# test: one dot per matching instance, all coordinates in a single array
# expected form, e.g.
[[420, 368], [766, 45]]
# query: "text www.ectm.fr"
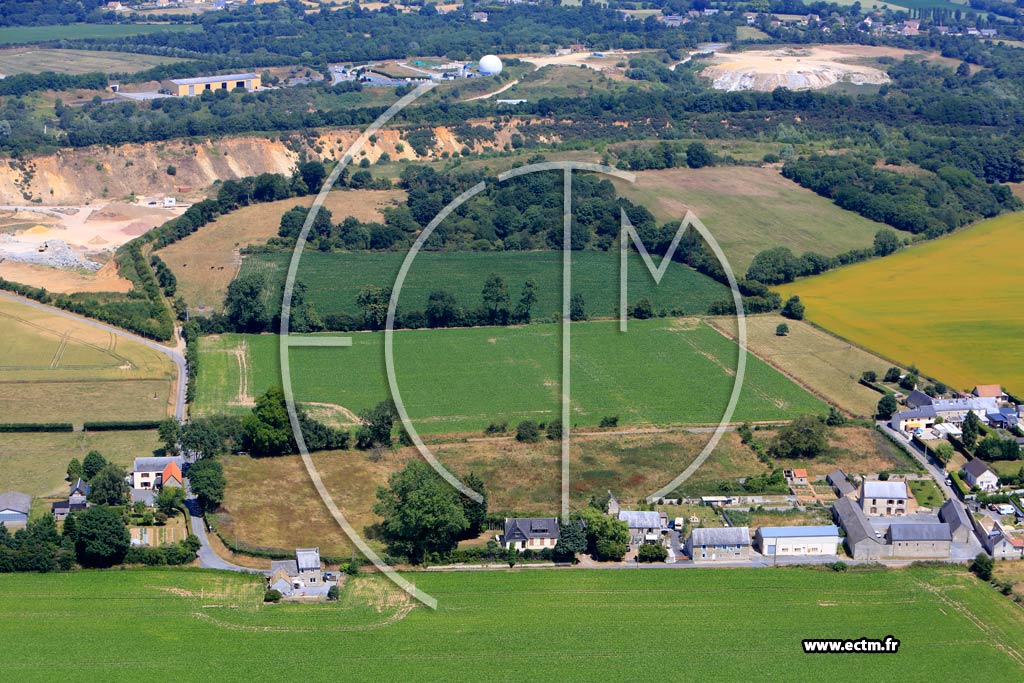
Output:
[[887, 645]]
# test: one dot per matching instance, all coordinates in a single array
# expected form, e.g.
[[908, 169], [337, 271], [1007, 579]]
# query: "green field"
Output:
[[334, 280], [16, 35], [954, 306], [521, 626], [663, 371], [36, 60]]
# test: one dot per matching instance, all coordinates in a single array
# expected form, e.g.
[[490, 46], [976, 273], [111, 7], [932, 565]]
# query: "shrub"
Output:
[[870, 376], [496, 428], [652, 552], [793, 309], [527, 431], [171, 170], [272, 595], [982, 566], [609, 421], [333, 593], [782, 330]]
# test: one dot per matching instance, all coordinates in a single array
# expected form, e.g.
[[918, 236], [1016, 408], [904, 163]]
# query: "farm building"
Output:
[[919, 541], [797, 540], [76, 501], [186, 87], [14, 507], [644, 526], [978, 473], [886, 498], [530, 533], [841, 485], [729, 544], [953, 514], [862, 542], [149, 473]]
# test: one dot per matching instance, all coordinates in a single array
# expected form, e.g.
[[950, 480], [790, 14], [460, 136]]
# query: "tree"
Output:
[[244, 305], [804, 437], [272, 595], [102, 539], [554, 430], [378, 423], [170, 500], [971, 429], [607, 537], [442, 309], [571, 540], [577, 308], [511, 556], [373, 303], [333, 593], [869, 376], [93, 463], [528, 297], [886, 242], [793, 308], [652, 552], [496, 300], [207, 481], [642, 309], [267, 430], [698, 156], [421, 513], [169, 432], [892, 375], [108, 487], [886, 407], [200, 439], [943, 451], [993, 447], [982, 566], [781, 330], [527, 431], [835, 417], [476, 513], [74, 470]]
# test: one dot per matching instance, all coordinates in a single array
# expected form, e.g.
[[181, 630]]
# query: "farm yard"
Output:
[[56, 369], [663, 371], [375, 633], [36, 60], [750, 209], [951, 306], [334, 280]]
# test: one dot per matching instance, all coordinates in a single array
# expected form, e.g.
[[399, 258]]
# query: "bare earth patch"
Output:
[[794, 68]]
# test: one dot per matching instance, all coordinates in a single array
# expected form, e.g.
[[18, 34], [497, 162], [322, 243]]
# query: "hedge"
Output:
[[36, 427], [244, 548], [121, 425]]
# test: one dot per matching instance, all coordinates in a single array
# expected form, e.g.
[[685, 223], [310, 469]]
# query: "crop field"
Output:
[[952, 306], [56, 369], [15, 35], [208, 260], [826, 365], [36, 60], [663, 371], [334, 280], [583, 629], [36, 463], [750, 209]]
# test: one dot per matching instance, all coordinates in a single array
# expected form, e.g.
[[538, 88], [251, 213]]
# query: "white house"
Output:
[[977, 473], [773, 541]]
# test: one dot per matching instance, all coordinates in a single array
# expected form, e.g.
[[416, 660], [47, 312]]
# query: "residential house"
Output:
[[530, 533], [978, 473], [171, 476], [773, 541], [76, 501], [841, 485], [1001, 545], [989, 391], [613, 505], [301, 573], [480, 16], [862, 541], [148, 473], [673, 20], [886, 498], [14, 508], [925, 411], [727, 544], [919, 541], [644, 526], [797, 477], [954, 515]]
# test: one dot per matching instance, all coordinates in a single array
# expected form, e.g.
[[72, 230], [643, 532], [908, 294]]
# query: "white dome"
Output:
[[490, 65]]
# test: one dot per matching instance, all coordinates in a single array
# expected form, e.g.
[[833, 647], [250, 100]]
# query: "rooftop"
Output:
[[307, 559], [786, 531], [976, 468], [156, 464], [885, 489], [734, 535], [525, 528], [920, 532], [15, 500], [213, 79], [640, 519], [854, 522]]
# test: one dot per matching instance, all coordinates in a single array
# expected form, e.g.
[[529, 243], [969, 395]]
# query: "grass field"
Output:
[[15, 35], [36, 60], [750, 209], [36, 463], [680, 371], [581, 626], [334, 280], [56, 369], [952, 306], [926, 493], [826, 365], [207, 261]]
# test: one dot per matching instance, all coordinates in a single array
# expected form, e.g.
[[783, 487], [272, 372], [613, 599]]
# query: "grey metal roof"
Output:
[[953, 514], [886, 489], [916, 399], [854, 522], [289, 567], [147, 496], [15, 500], [640, 519], [525, 528], [922, 412], [213, 79], [733, 535], [801, 531], [838, 479], [920, 532], [976, 468], [80, 487], [307, 559], [157, 464]]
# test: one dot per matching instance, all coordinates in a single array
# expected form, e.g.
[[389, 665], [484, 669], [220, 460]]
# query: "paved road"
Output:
[[175, 354], [936, 473], [208, 559]]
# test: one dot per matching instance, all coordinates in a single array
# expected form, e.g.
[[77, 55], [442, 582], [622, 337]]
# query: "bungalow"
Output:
[[797, 540], [888, 498], [530, 533], [977, 473], [148, 473], [76, 501], [728, 544], [954, 515], [644, 526], [841, 485], [14, 507]]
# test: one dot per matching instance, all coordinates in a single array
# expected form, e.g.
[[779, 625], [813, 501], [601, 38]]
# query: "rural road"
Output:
[[208, 559], [174, 354], [938, 475]]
